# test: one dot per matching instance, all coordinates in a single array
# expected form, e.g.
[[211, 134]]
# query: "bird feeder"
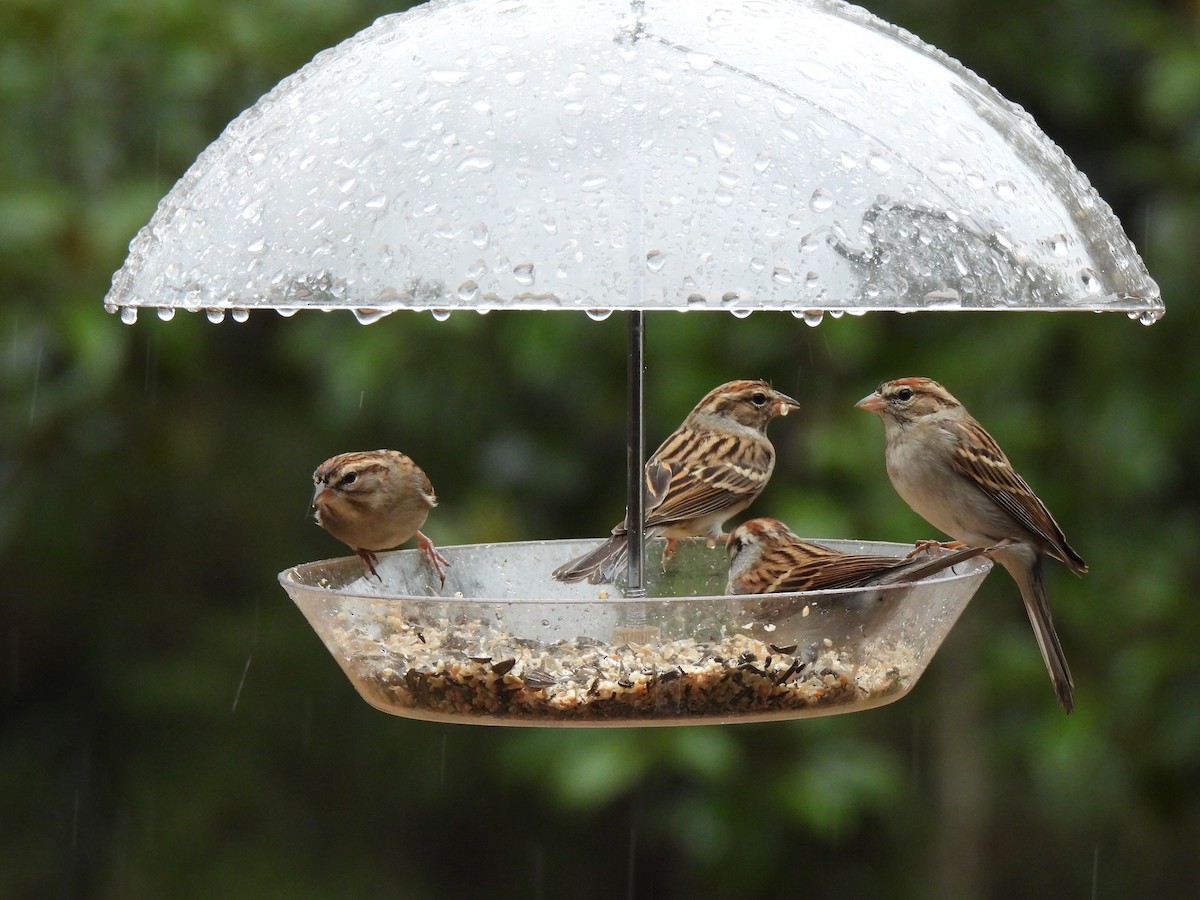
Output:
[[599, 156]]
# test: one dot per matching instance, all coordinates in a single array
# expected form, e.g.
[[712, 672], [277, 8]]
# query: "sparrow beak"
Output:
[[322, 495], [785, 405], [872, 402]]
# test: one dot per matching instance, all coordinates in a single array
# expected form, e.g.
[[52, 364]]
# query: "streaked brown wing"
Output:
[[987, 466], [700, 492]]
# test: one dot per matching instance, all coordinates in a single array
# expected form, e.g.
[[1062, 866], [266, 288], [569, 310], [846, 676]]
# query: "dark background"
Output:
[[171, 727]]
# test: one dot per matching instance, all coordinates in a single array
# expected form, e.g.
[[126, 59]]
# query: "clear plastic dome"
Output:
[[598, 154]]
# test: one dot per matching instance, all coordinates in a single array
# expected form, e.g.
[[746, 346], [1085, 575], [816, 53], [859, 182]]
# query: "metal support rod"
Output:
[[636, 457]]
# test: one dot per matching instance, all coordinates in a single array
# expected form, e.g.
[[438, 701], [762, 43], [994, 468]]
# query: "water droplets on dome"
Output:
[[367, 316], [477, 142], [523, 273]]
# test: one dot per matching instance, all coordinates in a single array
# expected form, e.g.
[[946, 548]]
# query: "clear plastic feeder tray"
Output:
[[477, 650]]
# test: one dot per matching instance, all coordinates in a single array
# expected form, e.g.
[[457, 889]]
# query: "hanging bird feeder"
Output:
[[600, 156]]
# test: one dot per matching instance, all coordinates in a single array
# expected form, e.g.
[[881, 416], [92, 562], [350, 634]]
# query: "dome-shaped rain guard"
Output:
[[478, 650], [598, 154]]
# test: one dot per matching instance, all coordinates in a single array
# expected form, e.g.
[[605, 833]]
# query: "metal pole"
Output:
[[636, 456]]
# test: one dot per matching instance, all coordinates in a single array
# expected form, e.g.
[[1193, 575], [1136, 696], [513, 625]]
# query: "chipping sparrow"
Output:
[[712, 467], [375, 500], [952, 474], [767, 557]]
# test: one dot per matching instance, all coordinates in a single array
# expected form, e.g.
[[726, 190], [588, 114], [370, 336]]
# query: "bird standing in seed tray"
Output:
[[767, 557], [953, 474], [375, 500], [711, 468]]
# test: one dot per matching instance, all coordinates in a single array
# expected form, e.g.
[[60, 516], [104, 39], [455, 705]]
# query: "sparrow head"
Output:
[[906, 400], [750, 403], [352, 480], [755, 533]]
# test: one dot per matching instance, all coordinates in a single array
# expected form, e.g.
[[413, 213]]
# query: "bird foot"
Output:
[[369, 559], [425, 545], [927, 546], [669, 551]]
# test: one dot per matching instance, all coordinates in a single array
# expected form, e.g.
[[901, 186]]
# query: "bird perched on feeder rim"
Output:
[[955, 476], [711, 468], [375, 500]]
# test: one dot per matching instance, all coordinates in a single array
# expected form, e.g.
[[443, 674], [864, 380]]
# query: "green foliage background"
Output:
[[170, 727]]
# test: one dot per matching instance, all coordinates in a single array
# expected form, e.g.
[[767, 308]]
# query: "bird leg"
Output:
[[369, 559], [995, 548], [425, 545], [669, 551], [926, 546]]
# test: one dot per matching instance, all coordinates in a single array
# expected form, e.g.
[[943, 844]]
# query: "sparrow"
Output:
[[767, 557], [375, 500], [953, 474], [711, 468]]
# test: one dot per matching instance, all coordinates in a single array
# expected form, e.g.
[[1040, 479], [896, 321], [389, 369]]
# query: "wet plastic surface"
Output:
[[503, 644]]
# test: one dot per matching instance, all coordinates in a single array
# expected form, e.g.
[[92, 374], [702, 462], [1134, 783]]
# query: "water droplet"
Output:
[[129, 314], [757, 264], [946, 298], [729, 298], [695, 301], [369, 316], [655, 260], [1058, 244], [812, 317], [593, 182], [287, 312], [479, 235], [379, 201], [468, 291], [440, 315], [785, 109], [877, 163], [812, 280], [447, 76], [256, 246], [240, 314], [1091, 281], [252, 211], [700, 61], [599, 315], [723, 196], [762, 162], [1150, 316], [515, 77], [723, 145], [782, 275], [821, 200], [740, 313], [346, 185], [476, 163], [216, 316], [166, 313], [1005, 190], [482, 107], [523, 272]]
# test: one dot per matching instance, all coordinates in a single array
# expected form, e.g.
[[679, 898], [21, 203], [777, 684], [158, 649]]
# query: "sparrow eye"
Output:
[[759, 399], [348, 479], [904, 394]]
